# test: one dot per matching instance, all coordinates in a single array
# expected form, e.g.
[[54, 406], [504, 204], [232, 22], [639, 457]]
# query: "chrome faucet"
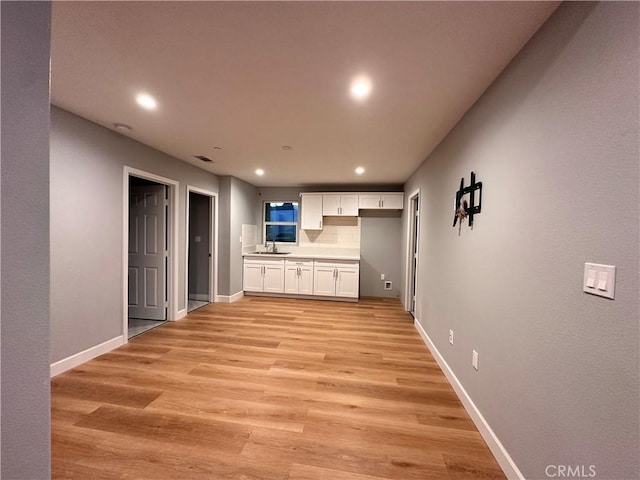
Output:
[[274, 249]]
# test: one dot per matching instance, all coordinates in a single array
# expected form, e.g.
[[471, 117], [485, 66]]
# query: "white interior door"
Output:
[[147, 252]]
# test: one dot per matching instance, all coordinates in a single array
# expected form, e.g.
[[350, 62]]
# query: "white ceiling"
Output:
[[251, 77]]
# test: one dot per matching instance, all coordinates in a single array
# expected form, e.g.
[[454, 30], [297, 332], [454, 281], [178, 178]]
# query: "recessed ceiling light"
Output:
[[360, 87], [122, 127], [146, 101], [260, 172], [360, 170]]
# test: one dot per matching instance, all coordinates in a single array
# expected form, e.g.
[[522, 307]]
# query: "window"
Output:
[[281, 222]]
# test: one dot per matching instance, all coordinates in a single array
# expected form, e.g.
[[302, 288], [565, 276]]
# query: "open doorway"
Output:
[[149, 251], [201, 248], [413, 240]]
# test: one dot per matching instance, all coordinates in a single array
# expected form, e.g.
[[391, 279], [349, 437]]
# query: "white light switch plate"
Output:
[[599, 280]]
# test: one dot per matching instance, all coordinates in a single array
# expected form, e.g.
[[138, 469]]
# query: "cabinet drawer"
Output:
[[263, 261], [298, 262], [337, 263]]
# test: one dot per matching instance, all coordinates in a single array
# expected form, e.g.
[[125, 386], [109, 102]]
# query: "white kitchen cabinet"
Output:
[[381, 201], [252, 278], [334, 204], [324, 281], [298, 277], [347, 282], [311, 211], [263, 275], [336, 278]]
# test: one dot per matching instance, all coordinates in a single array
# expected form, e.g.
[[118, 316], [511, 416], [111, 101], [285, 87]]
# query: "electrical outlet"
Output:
[[474, 360], [382, 276], [451, 337], [387, 285]]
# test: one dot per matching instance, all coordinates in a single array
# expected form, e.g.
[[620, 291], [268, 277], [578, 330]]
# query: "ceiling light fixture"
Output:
[[260, 172], [360, 170], [360, 87], [146, 101], [122, 127]]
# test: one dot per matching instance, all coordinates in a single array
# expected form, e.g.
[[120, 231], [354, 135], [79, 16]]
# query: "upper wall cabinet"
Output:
[[381, 201], [340, 205], [311, 211]]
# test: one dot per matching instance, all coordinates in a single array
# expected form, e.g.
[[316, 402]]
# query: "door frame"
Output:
[[411, 235], [213, 244], [172, 229]]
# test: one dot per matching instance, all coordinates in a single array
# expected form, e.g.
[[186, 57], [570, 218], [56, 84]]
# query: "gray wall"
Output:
[[243, 201], [380, 253], [380, 239], [224, 235], [87, 165], [555, 142], [199, 226], [24, 173], [237, 206]]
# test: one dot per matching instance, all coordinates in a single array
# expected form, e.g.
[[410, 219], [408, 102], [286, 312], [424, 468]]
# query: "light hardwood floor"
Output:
[[268, 389]]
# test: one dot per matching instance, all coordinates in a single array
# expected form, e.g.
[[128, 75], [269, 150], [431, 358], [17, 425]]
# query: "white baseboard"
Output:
[[181, 314], [79, 358], [200, 297], [230, 298], [505, 461]]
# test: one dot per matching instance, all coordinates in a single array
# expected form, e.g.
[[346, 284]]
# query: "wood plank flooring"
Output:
[[268, 389]]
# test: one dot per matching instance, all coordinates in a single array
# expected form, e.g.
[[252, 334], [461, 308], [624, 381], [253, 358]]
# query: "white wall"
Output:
[[555, 141], [24, 173], [87, 165]]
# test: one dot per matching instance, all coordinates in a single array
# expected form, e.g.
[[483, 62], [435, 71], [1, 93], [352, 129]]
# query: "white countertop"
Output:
[[311, 253]]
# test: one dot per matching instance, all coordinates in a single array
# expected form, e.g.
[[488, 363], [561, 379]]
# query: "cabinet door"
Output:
[[369, 201], [311, 212], [252, 277], [324, 281], [274, 278], [291, 279], [349, 205], [392, 201], [348, 282], [331, 205], [305, 281]]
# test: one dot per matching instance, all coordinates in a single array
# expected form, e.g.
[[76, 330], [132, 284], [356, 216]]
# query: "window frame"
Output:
[[266, 223]]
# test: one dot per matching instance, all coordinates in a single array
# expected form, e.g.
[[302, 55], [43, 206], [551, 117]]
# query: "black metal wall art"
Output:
[[468, 202]]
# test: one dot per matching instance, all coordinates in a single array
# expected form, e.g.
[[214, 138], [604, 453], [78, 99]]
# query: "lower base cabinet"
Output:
[[298, 277], [323, 278], [263, 276], [336, 279]]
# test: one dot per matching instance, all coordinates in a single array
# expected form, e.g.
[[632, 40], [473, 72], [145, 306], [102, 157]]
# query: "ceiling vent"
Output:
[[203, 158]]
